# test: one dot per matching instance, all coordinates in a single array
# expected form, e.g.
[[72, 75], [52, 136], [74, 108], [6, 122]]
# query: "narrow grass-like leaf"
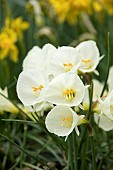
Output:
[[26, 152], [108, 64], [32, 166], [45, 145]]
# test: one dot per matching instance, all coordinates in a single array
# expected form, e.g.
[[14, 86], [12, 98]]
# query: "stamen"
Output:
[[86, 61], [35, 89], [69, 94], [67, 121], [111, 106], [68, 66]]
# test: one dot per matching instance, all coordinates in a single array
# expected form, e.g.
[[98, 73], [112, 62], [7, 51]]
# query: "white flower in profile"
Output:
[[64, 60], [90, 56], [6, 104], [106, 105], [97, 89], [38, 58], [32, 59], [110, 79], [98, 86], [103, 122], [61, 120], [85, 102], [31, 86], [65, 89]]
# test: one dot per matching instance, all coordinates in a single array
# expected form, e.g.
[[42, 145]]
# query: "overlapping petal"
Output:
[[65, 89], [103, 122], [90, 56], [31, 87], [106, 105], [38, 58], [61, 120], [64, 60]]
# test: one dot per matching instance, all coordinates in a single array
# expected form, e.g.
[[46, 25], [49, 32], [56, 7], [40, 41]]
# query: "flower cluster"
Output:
[[70, 10], [104, 118], [55, 75], [9, 35], [102, 105]]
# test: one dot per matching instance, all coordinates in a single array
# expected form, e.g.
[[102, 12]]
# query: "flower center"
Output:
[[68, 66], [69, 94], [37, 90], [86, 61], [67, 121]]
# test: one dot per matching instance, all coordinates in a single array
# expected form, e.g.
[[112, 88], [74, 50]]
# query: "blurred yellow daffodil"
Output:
[[18, 25], [7, 45], [70, 10], [9, 35]]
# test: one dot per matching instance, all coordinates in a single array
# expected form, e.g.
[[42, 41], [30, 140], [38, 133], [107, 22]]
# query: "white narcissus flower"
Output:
[[103, 122], [32, 60], [97, 89], [110, 79], [31, 86], [5, 104], [85, 102], [64, 60], [106, 105], [38, 58], [61, 120], [90, 56], [65, 89]]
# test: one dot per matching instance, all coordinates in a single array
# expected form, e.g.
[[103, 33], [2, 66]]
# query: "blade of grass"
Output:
[[108, 64], [23, 145], [32, 166], [15, 120], [45, 145], [26, 152]]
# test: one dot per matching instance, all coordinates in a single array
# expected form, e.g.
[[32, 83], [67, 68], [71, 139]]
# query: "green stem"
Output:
[[90, 98], [108, 64], [75, 146], [70, 153], [4, 162], [93, 153], [83, 160], [22, 47], [24, 142]]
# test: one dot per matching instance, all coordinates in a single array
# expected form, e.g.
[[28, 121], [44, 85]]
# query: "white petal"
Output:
[[103, 122], [55, 90], [26, 81], [33, 59], [38, 58], [77, 131], [88, 51], [110, 78], [64, 56], [54, 120], [5, 104]]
